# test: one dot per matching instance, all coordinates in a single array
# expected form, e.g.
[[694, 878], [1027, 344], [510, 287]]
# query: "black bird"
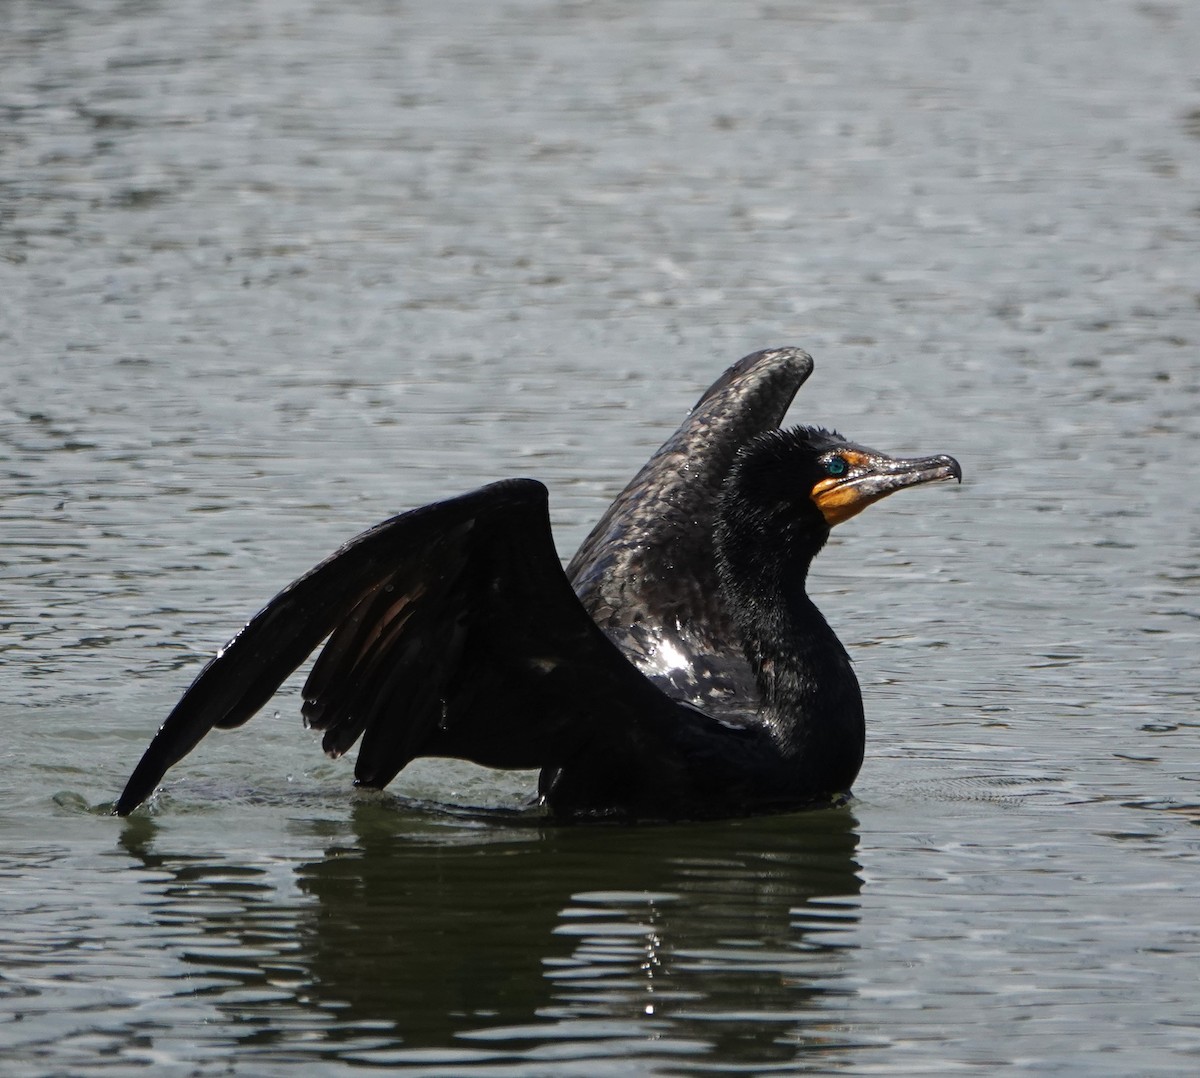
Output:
[[677, 669]]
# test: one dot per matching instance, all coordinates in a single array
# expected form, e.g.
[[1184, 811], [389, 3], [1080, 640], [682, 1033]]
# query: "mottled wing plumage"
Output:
[[647, 573]]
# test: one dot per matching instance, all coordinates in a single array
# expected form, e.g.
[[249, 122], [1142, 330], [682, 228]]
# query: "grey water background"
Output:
[[270, 272]]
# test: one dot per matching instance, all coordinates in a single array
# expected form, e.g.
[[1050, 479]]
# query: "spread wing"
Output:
[[647, 573], [453, 631]]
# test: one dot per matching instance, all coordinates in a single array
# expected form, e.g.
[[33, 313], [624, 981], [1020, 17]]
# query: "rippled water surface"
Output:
[[271, 272]]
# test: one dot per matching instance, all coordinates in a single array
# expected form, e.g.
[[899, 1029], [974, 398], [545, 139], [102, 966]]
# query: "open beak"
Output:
[[873, 476]]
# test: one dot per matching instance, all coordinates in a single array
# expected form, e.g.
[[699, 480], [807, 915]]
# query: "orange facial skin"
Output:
[[869, 476]]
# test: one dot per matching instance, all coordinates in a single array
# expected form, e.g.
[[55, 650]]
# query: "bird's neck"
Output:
[[810, 696]]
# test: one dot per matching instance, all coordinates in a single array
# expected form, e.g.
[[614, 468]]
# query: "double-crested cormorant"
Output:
[[676, 669]]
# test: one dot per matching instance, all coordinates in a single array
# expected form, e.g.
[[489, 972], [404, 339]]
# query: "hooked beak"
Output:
[[873, 476]]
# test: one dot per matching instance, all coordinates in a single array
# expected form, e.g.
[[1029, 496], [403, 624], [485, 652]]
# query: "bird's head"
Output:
[[788, 488]]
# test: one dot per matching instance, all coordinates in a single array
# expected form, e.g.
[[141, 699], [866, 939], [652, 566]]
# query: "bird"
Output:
[[676, 669]]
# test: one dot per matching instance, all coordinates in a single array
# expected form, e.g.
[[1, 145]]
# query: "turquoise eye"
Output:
[[836, 466]]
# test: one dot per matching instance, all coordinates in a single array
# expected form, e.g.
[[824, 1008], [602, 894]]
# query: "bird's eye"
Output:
[[836, 466]]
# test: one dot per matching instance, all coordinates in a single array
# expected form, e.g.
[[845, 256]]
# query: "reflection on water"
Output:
[[443, 940]]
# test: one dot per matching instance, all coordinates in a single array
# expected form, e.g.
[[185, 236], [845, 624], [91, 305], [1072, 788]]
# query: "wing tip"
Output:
[[133, 795], [788, 365]]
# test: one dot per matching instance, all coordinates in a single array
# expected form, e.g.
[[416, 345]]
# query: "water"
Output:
[[271, 272]]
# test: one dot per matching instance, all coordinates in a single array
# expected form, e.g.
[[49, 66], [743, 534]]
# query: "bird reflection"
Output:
[[416, 934]]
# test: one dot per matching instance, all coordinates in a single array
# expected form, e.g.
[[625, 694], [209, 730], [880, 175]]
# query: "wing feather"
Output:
[[452, 630]]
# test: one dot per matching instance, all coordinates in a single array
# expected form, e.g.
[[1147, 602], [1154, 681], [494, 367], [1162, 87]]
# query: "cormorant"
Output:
[[676, 669]]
